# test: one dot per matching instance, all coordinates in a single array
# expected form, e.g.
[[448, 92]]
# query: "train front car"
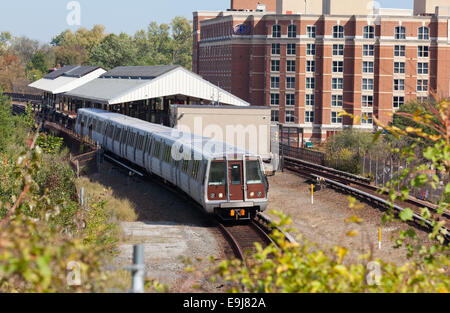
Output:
[[236, 189]]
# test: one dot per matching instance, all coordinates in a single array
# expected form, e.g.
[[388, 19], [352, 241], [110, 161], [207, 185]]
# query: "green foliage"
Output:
[[345, 150], [49, 144], [114, 51], [305, 268], [42, 226], [6, 122]]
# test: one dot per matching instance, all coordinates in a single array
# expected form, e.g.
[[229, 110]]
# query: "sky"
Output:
[[44, 19]]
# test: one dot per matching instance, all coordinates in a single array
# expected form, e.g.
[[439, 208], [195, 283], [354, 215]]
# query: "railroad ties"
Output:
[[361, 188]]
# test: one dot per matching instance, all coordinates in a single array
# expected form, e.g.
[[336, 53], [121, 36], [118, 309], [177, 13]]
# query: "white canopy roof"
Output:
[[63, 83], [130, 84]]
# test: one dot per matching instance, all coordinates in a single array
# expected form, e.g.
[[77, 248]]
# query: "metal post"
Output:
[[137, 269], [82, 197], [376, 172]]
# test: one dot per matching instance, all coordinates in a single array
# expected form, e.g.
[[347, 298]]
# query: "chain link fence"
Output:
[[382, 170]]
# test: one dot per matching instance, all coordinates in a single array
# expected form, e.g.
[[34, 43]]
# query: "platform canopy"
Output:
[[67, 78], [136, 83]]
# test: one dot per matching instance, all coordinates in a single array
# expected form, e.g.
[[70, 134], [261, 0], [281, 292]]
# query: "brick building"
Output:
[[309, 59]]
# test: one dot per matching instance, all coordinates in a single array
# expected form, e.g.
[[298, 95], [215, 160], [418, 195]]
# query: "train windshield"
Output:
[[254, 175], [217, 174]]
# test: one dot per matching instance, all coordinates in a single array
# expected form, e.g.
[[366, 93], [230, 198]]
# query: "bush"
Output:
[[344, 151]]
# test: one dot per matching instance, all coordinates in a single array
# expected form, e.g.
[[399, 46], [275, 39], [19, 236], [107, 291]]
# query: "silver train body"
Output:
[[223, 179]]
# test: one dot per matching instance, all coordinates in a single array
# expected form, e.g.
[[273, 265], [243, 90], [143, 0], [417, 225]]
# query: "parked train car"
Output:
[[224, 180]]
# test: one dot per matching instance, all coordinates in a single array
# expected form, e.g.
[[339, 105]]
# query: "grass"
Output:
[[122, 209]]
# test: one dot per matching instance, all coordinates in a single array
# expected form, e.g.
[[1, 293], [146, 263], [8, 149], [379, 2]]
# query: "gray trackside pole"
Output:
[[137, 270]]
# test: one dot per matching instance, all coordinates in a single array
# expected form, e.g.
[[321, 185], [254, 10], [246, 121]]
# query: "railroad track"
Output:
[[240, 237], [361, 188]]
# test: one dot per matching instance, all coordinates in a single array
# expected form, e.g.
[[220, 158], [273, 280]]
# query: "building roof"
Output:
[[67, 78], [128, 84], [139, 72]]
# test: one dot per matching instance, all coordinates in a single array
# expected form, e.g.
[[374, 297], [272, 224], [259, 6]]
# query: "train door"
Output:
[[236, 180]]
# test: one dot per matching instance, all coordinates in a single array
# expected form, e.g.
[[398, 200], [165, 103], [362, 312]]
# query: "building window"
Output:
[[423, 33], [274, 99], [423, 51], [337, 83], [276, 31], [310, 49], [369, 32], [290, 99], [310, 66], [275, 116], [290, 116], [290, 66], [336, 101], [310, 83], [275, 67], [422, 85], [338, 67], [367, 67], [276, 49], [309, 116], [290, 82], [367, 84], [338, 31], [399, 84], [400, 32], [338, 49], [367, 101], [292, 31], [311, 31], [310, 100], [291, 49], [274, 82], [398, 101], [399, 67], [368, 50], [422, 68], [367, 118], [399, 51], [335, 118]]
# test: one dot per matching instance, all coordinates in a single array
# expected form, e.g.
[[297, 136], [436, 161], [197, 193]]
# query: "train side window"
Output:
[[185, 166], [110, 131], [167, 154], [118, 133], [94, 124], [149, 147], [124, 136], [99, 127], [146, 143], [139, 142], [157, 150], [195, 169], [131, 139]]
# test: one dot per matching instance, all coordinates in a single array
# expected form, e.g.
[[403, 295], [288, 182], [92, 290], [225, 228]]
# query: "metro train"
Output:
[[224, 180]]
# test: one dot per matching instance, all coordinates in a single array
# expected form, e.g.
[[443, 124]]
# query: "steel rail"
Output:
[[418, 219], [361, 181]]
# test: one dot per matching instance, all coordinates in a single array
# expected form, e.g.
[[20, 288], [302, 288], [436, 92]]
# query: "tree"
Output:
[[182, 33], [76, 48], [114, 51]]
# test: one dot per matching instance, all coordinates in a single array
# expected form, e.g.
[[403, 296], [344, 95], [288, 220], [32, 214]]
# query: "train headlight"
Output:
[[260, 194], [252, 194], [213, 196], [220, 195]]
